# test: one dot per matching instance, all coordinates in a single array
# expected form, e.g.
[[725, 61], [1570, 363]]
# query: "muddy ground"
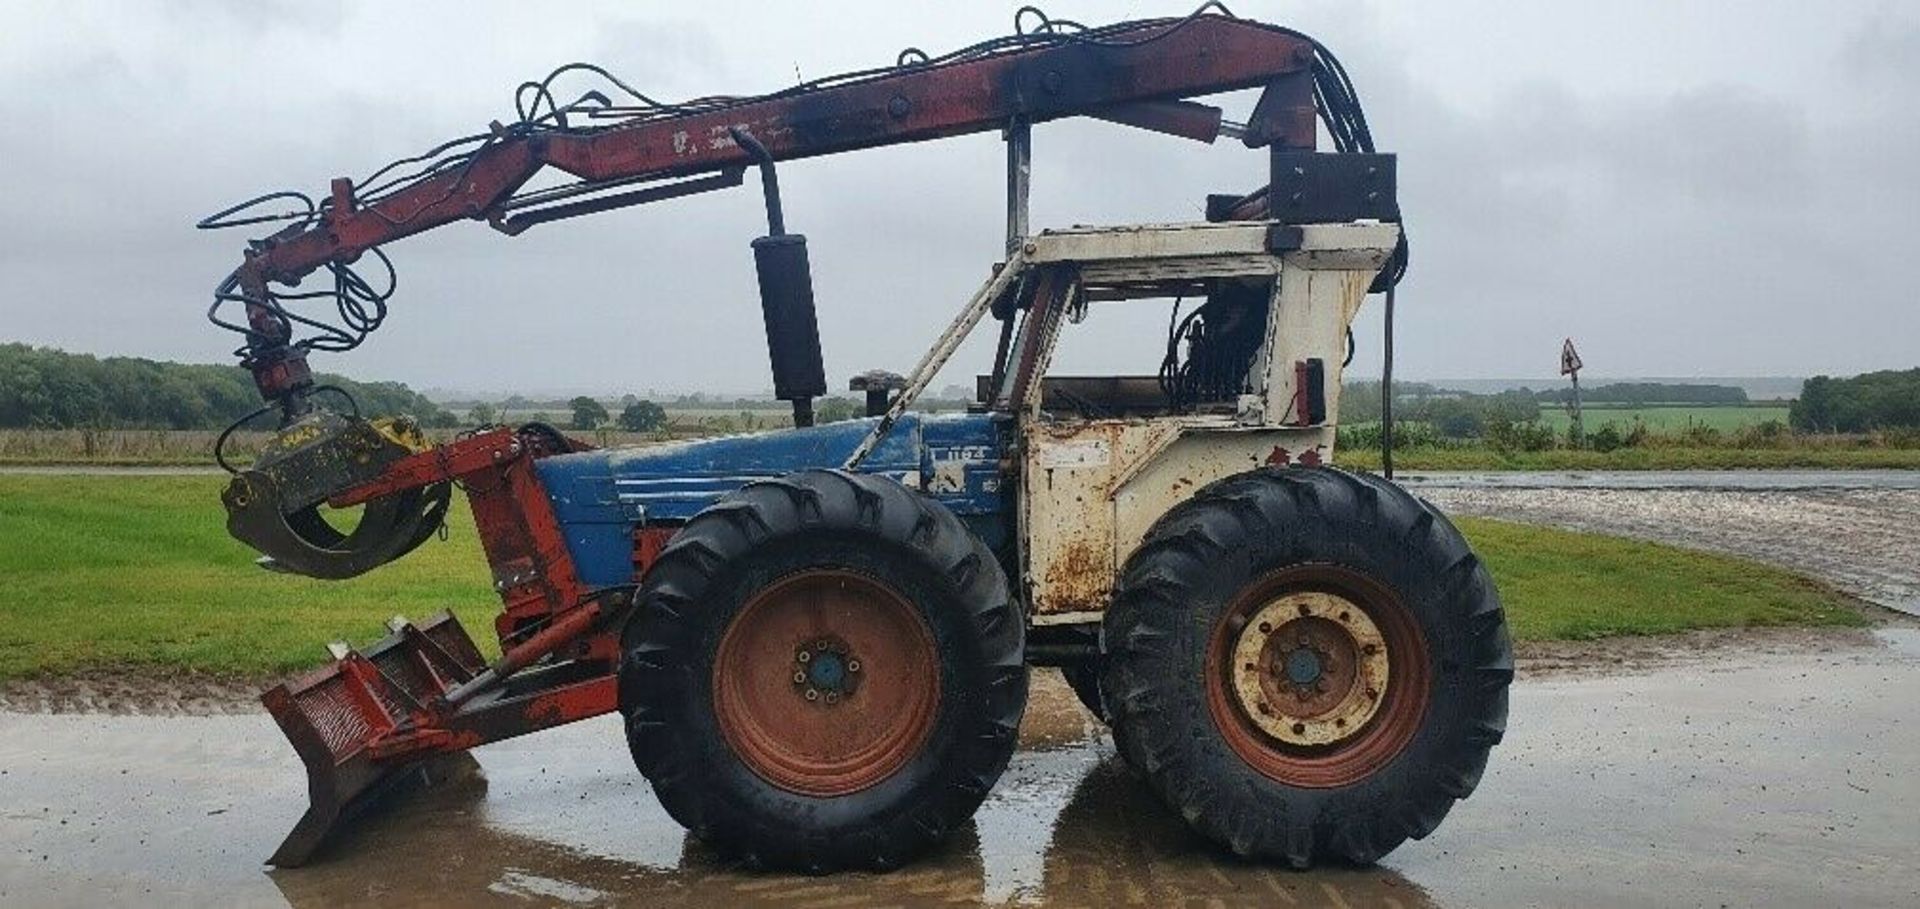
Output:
[[143, 691], [1754, 778]]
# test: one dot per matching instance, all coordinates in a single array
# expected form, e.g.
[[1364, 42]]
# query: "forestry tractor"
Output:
[[819, 638]]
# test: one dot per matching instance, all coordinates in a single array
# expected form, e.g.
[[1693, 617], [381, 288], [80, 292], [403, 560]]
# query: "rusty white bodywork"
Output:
[[1090, 488]]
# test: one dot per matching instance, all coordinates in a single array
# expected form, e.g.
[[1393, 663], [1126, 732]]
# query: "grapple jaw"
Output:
[[356, 724], [275, 504]]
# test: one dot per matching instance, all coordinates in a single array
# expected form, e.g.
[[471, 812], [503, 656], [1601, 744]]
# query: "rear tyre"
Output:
[[827, 673], [1307, 665]]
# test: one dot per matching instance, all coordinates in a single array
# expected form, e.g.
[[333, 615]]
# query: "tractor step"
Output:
[[364, 725]]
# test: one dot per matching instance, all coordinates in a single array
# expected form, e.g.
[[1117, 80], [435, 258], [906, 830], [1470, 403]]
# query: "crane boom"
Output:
[[1139, 73]]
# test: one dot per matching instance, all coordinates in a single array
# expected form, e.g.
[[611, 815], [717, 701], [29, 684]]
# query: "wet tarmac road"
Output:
[[1755, 779]]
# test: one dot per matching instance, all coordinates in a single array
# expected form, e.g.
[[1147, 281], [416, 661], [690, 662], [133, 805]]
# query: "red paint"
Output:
[[532, 569], [545, 610], [647, 543], [1211, 54]]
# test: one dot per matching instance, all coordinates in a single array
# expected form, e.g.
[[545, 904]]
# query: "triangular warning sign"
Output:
[[1569, 358]]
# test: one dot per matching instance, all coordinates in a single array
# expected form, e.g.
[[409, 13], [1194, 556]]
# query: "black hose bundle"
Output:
[[359, 306]]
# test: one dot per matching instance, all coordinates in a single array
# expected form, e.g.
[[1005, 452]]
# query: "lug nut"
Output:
[[799, 678], [803, 656], [813, 694], [853, 665]]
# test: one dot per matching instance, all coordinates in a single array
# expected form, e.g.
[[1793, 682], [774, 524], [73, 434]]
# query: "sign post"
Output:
[[1570, 366]]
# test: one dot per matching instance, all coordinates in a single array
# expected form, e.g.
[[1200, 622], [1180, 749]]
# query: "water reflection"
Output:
[[1067, 827]]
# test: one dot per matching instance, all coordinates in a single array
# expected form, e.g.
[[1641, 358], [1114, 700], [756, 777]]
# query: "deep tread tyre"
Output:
[[721, 577], [1292, 533]]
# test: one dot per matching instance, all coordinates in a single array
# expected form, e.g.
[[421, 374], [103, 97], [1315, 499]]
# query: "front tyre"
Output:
[[827, 673], [1308, 665]]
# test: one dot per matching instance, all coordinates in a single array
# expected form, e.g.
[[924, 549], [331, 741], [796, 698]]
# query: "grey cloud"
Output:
[[1707, 215]]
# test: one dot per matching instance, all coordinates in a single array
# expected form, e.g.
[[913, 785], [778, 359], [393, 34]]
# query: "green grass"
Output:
[[1561, 585], [1480, 457], [114, 571], [1725, 418], [140, 570]]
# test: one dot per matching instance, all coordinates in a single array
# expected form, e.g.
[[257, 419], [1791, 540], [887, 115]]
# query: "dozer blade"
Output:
[[331, 810], [275, 505], [361, 725]]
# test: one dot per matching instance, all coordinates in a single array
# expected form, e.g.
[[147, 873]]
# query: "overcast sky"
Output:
[[1684, 188]]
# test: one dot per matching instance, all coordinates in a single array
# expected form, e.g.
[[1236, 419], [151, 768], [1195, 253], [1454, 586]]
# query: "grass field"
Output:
[[111, 571], [1480, 457], [1666, 419]]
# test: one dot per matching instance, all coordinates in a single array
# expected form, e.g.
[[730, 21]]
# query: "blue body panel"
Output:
[[601, 496]]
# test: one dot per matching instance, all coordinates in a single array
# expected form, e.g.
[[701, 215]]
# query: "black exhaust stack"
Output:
[[786, 299]]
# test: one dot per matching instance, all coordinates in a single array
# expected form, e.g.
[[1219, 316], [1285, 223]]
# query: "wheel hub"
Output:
[[1303, 666], [1309, 668], [826, 682], [825, 671]]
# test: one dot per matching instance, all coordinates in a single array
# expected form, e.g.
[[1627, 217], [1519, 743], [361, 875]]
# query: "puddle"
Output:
[[1780, 779]]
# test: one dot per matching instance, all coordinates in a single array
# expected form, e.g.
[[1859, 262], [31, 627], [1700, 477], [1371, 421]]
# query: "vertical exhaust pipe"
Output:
[[786, 298]]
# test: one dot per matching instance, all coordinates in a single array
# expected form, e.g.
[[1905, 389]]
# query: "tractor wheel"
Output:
[[1308, 665], [827, 673]]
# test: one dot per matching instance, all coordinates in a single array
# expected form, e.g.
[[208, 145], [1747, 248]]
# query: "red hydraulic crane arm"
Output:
[[1129, 77]]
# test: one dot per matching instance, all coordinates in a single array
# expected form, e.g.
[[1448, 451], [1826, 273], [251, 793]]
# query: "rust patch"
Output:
[[1079, 579]]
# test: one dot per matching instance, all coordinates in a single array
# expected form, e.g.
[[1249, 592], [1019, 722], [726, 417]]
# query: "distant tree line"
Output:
[[1649, 393], [1889, 399], [44, 388], [1453, 414]]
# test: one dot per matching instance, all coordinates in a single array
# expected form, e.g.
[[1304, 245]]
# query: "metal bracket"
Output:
[[1331, 187]]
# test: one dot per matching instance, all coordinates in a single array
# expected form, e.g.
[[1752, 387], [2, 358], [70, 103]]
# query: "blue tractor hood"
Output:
[[601, 496]]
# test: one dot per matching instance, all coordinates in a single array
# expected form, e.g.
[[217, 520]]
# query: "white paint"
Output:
[[1076, 453]]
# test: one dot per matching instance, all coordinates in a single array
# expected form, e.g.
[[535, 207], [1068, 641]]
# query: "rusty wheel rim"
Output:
[[826, 683], [1317, 676]]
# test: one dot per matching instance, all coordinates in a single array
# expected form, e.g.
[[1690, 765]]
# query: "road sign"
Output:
[[1570, 366], [1569, 359]]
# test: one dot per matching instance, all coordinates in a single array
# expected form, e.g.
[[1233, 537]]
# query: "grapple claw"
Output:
[[275, 505]]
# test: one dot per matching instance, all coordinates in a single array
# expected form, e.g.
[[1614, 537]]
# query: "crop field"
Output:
[[1725, 418], [108, 571]]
